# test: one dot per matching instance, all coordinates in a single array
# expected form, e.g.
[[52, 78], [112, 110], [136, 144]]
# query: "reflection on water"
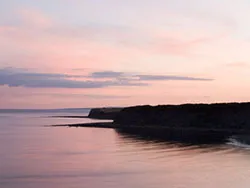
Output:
[[32, 155], [180, 137], [184, 142]]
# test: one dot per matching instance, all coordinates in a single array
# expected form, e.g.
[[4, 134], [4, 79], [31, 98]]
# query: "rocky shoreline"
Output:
[[227, 117], [154, 127]]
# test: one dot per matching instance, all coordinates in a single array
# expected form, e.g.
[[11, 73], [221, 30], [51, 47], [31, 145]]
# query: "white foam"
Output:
[[237, 143]]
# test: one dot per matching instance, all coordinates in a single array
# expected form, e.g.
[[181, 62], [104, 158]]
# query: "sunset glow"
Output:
[[95, 53]]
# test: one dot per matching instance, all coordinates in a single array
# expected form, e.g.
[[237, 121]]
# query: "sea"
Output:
[[34, 154]]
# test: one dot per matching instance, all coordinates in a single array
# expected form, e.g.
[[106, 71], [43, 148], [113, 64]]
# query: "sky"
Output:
[[95, 53]]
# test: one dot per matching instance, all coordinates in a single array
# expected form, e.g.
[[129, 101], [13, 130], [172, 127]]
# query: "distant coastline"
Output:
[[62, 110]]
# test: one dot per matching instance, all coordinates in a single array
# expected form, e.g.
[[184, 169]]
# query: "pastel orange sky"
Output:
[[96, 53]]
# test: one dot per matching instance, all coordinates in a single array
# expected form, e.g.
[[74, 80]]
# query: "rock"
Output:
[[104, 113]]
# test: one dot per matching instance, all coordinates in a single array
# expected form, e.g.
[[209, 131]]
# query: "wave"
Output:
[[238, 142]]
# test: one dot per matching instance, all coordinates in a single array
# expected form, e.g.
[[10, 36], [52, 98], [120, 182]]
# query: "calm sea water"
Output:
[[33, 155]]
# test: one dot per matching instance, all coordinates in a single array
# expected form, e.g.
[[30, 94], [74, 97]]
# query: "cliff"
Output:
[[104, 113], [214, 116]]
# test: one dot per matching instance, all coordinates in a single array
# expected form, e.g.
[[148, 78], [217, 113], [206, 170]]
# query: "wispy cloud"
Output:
[[20, 78], [170, 77], [144, 77], [107, 74], [15, 78]]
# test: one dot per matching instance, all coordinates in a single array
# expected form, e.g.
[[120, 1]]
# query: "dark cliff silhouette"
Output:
[[214, 116]]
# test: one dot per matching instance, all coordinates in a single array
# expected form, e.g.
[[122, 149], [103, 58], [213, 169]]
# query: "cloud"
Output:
[[22, 78], [143, 77], [169, 77], [107, 74], [16, 78]]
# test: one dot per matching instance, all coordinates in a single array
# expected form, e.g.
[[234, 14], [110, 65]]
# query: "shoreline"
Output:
[[94, 125], [218, 117], [117, 126]]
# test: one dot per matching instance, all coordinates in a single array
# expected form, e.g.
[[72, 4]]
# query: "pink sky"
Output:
[[83, 54]]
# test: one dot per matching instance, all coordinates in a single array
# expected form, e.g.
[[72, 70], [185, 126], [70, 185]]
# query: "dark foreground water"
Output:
[[35, 156]]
